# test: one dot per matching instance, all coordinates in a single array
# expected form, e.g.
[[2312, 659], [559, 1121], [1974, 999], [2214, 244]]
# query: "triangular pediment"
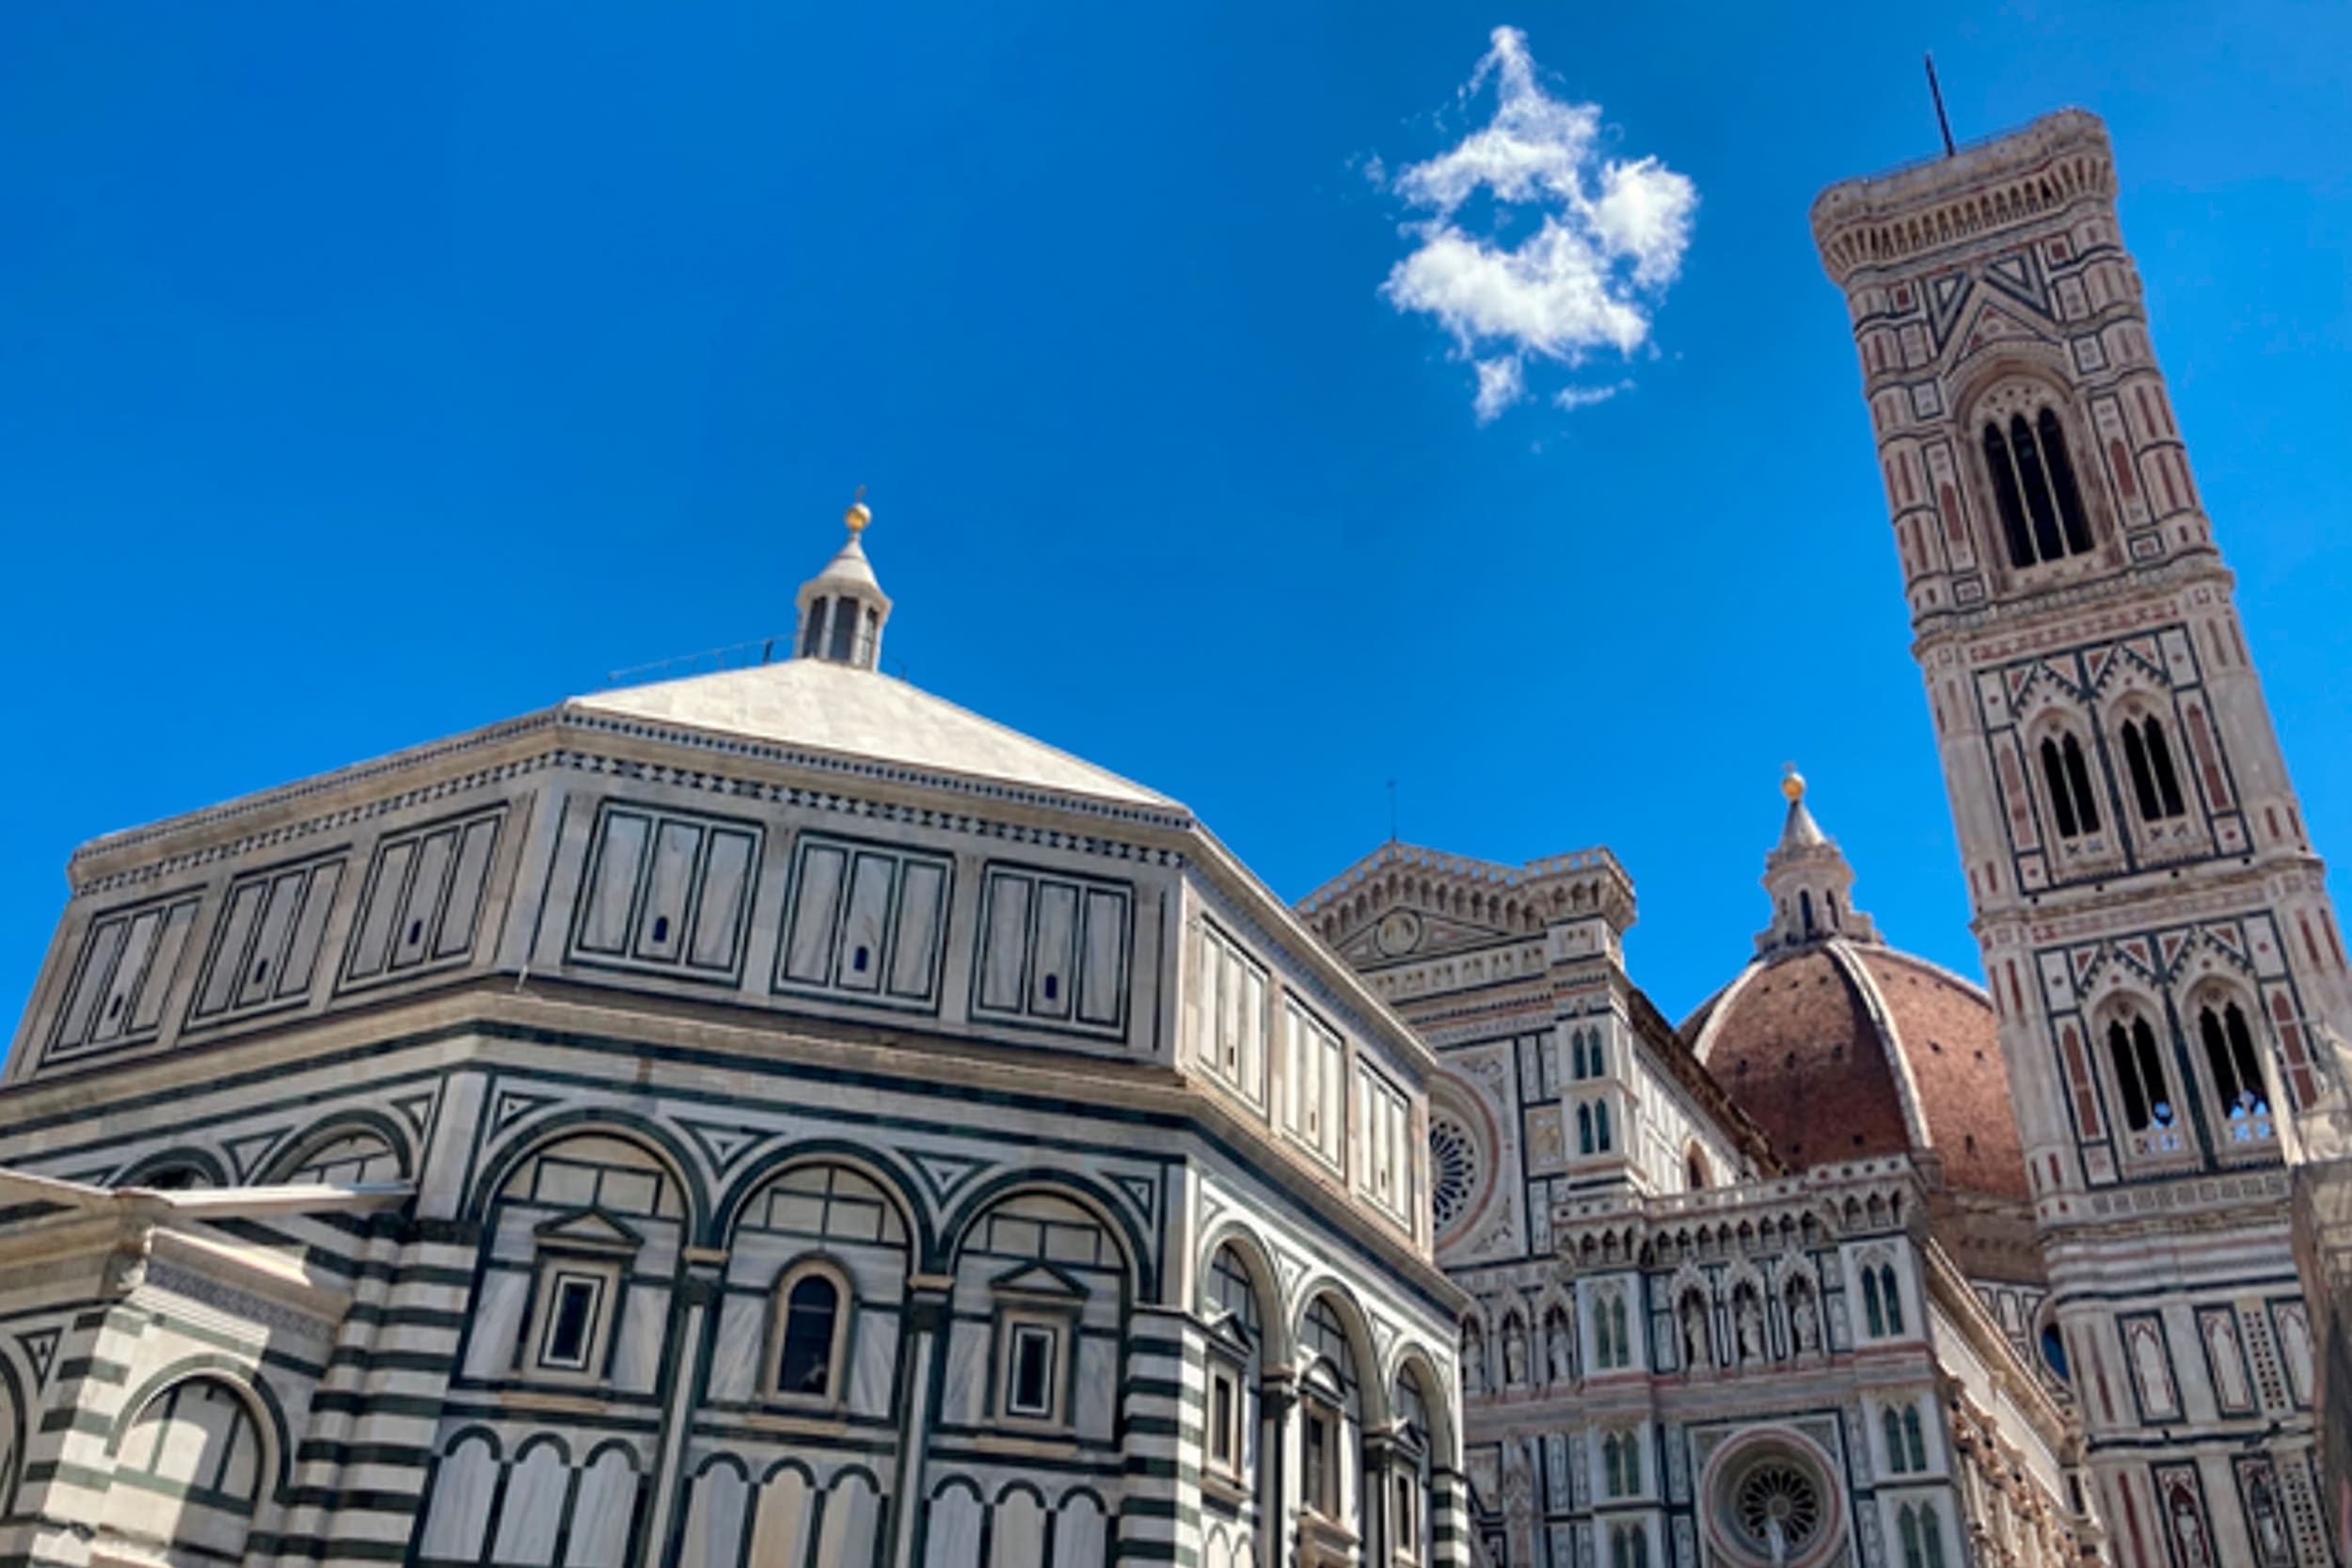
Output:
[[1039, 1280], [591, 1230]]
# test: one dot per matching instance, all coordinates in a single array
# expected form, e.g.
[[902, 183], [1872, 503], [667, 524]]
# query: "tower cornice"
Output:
[[2051, 612], [1952, 203]]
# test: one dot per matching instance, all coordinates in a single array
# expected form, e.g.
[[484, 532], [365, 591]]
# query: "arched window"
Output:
[[813, 634], [1695, 1170], [2140, 1076], [1600, 1125], [808, 1358], [1613, 1348], [2156, 787], [2034, 489], [2237, 1075], [1600, 1058], [2069, 501], [1577, 1038], [195, 1460], [1873, 1310], [1915, 1444], [2068, 776], [1611, 1466], [1583, 1129], [1894, 1298], [1235, 1366], [1804, 909], [1997, 463], [1629, 1546], [1922, 1537], [1893, 1431]]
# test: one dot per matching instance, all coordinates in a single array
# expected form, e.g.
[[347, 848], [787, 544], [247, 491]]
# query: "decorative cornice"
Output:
[[2003, 183], [96, 866]]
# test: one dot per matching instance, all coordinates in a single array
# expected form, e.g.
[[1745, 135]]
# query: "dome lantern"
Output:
[[1809, 881], [842, 608]]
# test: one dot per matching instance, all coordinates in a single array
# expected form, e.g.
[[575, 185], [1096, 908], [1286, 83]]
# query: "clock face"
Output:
[[1399, 932]]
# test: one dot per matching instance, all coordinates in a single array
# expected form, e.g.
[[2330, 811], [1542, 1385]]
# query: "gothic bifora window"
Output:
[[2066, 774], [2034, 488]]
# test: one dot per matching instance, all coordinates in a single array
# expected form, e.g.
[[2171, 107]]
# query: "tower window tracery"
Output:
[[2034, 488], [2237, 1077], [2140, 1076], [2148, 758], [2067, 774]]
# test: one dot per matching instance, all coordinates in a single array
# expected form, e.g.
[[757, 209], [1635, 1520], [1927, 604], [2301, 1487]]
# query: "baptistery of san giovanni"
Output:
[[778, 1117]]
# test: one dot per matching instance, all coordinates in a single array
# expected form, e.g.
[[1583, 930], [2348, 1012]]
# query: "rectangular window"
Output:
[[1406, 1520], [1385, 1170], [573, 1303], [1225, 1420], [1233, 1015], [1320, 1477], [1315, 1103], [1030, 1372]]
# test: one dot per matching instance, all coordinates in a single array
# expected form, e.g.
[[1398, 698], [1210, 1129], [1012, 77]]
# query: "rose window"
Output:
[[1455, 1172], [1777, 1509]]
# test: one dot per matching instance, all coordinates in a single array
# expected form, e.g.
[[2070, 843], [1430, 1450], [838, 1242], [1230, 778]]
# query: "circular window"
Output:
[[1778, 1508], [1455, 1172], [1773, 1504]]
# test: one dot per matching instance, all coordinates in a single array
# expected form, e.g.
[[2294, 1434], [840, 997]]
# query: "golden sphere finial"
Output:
[[859, 513], [1791, 782]]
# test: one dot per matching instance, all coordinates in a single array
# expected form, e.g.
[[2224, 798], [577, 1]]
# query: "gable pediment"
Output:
[[588, 1230], [1039, 1282]]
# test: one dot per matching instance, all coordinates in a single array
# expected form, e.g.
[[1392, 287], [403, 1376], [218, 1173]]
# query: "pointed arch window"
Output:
[[1584, 1129], [2067, 775], [2034, 489], [1881, 1300], [1915, 1444], [1804, 909], [1629, 1546], [1893, 1426], [2072, 521], [2237, 1075], [1599, 1057], [1600, 1126], [1613, 1348], [1922, 1537], [2148, 758], [2140, 1076], [1575, 1038]]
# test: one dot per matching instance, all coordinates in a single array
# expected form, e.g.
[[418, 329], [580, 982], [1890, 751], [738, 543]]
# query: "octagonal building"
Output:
[[774, 1116]]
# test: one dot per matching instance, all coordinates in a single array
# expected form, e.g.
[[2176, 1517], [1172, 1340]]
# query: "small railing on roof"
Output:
[[734, 655]]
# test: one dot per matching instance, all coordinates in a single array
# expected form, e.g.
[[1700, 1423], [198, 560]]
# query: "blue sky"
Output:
[[369, 373]]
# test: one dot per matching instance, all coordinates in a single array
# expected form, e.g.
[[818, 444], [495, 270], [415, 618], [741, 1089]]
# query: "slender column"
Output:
[[686, 1370], [1278, 1396], [1449, 1518], [1379, 1496], [928, 1299]]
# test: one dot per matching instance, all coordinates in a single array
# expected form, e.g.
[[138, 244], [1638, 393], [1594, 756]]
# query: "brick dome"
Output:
[[1842, 1050]]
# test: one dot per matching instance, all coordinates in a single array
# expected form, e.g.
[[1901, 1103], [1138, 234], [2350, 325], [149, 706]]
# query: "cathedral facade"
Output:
[[778, 1117]]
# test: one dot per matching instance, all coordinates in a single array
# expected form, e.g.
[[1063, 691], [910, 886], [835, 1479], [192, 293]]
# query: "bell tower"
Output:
[[2154, 924]]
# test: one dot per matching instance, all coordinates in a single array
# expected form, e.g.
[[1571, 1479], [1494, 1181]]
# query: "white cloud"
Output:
[[1609, 239], [1501, 383], [1574, 398]]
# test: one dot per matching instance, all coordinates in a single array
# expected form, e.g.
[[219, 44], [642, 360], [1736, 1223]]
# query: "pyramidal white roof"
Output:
[[835, 708]]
